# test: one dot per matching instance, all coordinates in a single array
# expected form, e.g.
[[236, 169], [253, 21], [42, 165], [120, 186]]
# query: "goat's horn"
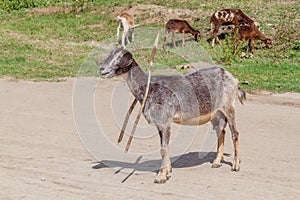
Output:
[[146, 92]]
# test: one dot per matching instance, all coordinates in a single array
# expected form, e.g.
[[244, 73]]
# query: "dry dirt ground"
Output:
[[42, 156]]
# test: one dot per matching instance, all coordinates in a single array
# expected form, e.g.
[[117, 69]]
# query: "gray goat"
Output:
[[205, 95]]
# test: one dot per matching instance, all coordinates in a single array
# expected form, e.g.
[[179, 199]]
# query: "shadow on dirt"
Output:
[[183, 161]]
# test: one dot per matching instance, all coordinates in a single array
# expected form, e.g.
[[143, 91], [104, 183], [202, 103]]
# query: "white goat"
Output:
[[127, 22]]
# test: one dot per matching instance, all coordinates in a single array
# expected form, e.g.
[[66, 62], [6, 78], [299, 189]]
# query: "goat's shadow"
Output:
[[178, 43], [183, 161], [221, 37]]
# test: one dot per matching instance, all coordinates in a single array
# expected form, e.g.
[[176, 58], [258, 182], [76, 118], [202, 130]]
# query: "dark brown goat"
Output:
[[251, 33], [202, 96], [226, 17], [180, 26]]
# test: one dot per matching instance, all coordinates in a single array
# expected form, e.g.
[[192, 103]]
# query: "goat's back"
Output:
[[200, 91], [128, 17], [230, 16], [178, 25], [249, 31]]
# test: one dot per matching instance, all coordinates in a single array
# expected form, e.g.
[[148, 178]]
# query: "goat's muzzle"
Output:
[[197, 36], [268, 43], [104, 73]]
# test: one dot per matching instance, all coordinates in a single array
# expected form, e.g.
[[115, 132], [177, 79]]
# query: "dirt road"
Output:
[[42, 156]]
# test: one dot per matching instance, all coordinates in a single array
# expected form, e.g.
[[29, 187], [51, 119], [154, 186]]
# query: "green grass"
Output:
[[281, 77], [49, 46]]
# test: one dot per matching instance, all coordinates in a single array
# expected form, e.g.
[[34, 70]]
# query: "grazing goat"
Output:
[[251, 33], [226, 17], [127, 22], [205, 95], [180, 26]]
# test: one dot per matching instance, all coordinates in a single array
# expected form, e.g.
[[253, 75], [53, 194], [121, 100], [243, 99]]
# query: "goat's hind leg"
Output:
[[124, 36], [127, 36], [165, 170], [132, 34], [118, 32], [219, 123], [230, 115]]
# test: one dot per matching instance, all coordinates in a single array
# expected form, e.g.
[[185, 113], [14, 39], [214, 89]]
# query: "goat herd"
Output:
[[244, 28], [202, 96]]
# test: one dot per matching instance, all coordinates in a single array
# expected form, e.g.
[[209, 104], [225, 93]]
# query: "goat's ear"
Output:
[[126, 60]]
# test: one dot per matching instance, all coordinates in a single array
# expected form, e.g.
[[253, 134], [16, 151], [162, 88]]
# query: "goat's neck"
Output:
[[261, 36], [192, 30], [137, 80]]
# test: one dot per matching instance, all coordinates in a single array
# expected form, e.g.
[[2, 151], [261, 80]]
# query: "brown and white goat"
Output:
[[251, 33], [226, 17], [179, 26], [127, 22], [204, 95]]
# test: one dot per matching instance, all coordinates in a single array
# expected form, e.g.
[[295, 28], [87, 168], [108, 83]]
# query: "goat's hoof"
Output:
[[214, 165], [235, 169], [161, 179], [235, 166]]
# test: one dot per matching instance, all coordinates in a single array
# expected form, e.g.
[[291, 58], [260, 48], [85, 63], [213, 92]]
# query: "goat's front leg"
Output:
[[217, 161], [236, 45], [165, 169], [252, 45], [173, 39], [235, 32], [249, 45], [215, 36], [183, 41], [219, 123]]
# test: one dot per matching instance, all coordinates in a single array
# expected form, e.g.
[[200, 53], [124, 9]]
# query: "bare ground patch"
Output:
[[155, 14]]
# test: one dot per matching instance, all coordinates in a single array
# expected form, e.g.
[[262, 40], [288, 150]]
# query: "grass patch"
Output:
[[281, 77], [49, 43]]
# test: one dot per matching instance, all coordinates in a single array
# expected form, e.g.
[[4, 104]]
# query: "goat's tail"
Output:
[[134, 26], [241, 95]]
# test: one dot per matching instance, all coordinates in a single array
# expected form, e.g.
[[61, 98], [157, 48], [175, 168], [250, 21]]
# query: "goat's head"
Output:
[[197, 36], [268, 42], [118, 62]]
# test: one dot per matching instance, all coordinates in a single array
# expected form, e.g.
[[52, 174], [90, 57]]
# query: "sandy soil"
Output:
[[42, 156]]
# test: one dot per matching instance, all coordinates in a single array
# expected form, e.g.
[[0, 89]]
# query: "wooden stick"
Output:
[[146, 93], [126, 120]]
